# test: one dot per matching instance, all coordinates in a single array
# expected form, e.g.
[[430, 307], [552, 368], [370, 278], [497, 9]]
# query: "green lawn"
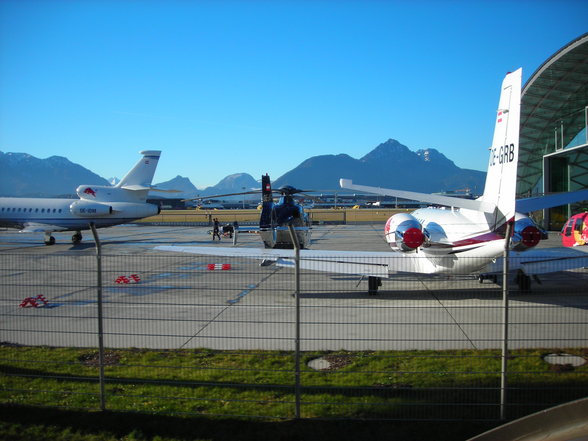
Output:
[[53, 393]]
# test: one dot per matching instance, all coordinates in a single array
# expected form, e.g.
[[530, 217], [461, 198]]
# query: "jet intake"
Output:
[[89, 209], [409, 238], [404, 232], [525, 235]]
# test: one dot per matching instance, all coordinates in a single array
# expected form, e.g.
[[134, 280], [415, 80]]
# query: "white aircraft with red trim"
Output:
[[102, 205], [461, 237]]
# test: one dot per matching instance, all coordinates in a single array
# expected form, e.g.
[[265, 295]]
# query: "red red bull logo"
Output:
[[89, 191]]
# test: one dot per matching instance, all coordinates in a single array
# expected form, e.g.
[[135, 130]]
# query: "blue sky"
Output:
[[224, 87]]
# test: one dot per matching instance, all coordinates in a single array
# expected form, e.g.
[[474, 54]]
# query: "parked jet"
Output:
[[460, 239], [103, 205]]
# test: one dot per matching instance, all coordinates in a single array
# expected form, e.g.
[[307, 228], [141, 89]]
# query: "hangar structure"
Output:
[[553, 138]]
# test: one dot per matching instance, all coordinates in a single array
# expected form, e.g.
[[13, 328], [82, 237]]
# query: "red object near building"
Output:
[[575, 231]]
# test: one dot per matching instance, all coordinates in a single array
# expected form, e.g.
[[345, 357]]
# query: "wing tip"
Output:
[[345, 183]]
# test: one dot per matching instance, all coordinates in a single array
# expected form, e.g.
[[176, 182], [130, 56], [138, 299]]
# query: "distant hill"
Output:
[[236, 183], [23, 175], [184, 185], [391, 165]]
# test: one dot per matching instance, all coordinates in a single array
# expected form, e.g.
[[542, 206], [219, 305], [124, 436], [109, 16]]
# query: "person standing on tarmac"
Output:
[[215, 230]]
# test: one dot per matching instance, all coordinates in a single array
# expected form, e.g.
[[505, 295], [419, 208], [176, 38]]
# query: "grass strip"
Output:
[[387, 385]]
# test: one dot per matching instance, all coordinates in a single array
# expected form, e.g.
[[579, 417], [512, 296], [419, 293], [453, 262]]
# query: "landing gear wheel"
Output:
[[76, 238], [373, 284], [492, 277], [523, 281], [49, 240], [271, 240]]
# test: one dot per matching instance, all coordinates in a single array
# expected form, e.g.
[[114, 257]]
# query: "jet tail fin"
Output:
[[501, 179], [267, 202], [141, 175]]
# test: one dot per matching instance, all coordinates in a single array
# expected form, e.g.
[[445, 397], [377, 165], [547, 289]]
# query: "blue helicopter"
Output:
[[275, 217]]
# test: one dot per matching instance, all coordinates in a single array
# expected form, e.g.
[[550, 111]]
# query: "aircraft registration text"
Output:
[[504, 155]]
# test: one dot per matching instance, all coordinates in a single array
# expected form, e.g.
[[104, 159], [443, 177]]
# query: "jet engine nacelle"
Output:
[[89, 209], [525, 234], [404, 231], [134, 211]]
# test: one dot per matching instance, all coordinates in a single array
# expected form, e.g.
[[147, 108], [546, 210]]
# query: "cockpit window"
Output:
[[568, 227]]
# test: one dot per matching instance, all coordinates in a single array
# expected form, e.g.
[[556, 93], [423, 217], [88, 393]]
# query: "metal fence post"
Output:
[[100, 317], [504, 368], [297, 337]]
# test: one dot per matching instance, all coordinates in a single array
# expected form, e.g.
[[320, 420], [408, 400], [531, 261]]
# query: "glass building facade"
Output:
[[553, 139]]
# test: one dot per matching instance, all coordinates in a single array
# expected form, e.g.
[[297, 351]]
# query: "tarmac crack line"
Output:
[[450, 315], [456, 322], [230, 303]]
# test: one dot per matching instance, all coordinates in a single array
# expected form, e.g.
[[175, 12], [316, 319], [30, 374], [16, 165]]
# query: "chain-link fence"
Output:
[[187, 334]]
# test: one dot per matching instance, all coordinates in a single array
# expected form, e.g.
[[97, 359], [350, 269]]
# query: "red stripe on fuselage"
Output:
[[486, 237]]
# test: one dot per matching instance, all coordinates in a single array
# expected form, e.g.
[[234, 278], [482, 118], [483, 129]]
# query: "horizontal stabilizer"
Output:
[[144, 187], [136, 187], [448, 201], [553, 200]]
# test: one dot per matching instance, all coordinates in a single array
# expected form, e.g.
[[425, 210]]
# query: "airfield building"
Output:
[[553, 138]]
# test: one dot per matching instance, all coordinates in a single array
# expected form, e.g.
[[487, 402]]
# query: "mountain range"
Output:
[[234, 183], [23, 175], [391, 165]]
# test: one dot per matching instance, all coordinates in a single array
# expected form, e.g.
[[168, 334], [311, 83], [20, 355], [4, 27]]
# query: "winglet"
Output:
[[345, 183]]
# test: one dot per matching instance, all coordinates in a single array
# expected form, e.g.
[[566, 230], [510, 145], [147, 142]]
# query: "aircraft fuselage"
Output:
[[20, 212]]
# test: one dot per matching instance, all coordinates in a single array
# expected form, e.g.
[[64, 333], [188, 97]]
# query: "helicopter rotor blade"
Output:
[[214, 196]]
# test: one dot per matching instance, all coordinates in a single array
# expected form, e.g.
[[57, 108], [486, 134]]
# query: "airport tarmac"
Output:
[[190, 301]]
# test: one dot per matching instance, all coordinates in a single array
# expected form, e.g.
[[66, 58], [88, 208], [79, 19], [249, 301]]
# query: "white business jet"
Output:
[[100, 204], [461, 237]]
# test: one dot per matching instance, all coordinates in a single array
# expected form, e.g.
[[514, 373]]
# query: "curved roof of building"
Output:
[[554, 98]]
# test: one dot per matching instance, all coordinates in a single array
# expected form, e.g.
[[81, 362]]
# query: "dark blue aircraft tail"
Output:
[[267, 202]]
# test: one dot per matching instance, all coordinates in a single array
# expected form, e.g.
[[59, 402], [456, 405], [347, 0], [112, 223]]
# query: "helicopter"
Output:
[[275, 217]]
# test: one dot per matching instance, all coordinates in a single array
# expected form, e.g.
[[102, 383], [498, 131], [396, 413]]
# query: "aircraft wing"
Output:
[[449, 201], [552, 200], [542, 261], [366, 263], [36, 227]]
